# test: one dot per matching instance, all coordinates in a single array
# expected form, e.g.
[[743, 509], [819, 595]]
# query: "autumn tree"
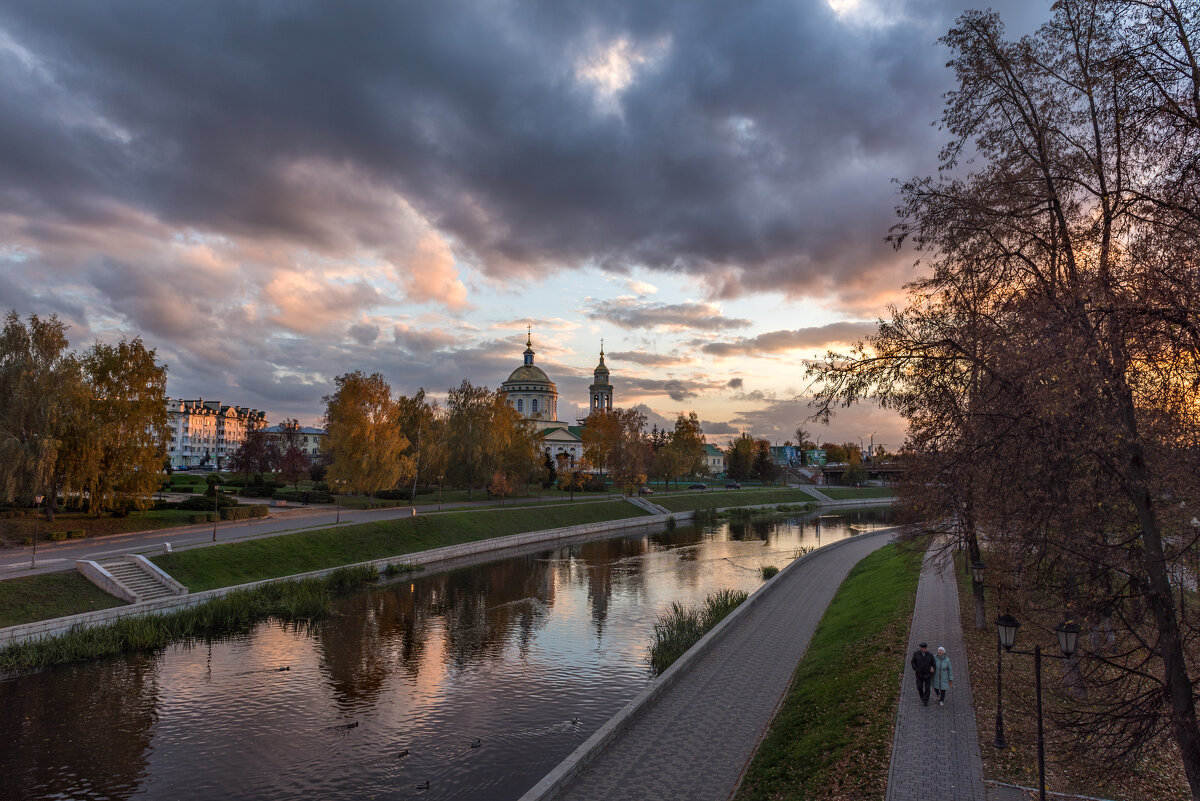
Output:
[[687, 443], [1061, 289], [127, 405], [601, 432], [258, 453], [485, 435], [363, 437], [293, 461], [421, 421], [42, 409]]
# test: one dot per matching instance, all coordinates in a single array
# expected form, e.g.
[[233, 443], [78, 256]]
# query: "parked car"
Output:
[[733, 485], [645, 491], [697, 486]]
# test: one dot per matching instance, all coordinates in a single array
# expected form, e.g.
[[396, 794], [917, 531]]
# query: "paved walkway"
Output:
[[694, 740], [936, 750]]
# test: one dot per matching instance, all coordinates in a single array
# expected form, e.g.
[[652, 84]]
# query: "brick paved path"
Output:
[[936, 749], [694, 740]]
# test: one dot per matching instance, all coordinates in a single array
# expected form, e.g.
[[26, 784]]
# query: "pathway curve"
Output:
[[693, 741], [935, 753]]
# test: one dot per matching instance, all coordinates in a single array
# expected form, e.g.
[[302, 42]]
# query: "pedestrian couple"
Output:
[[932, 670]]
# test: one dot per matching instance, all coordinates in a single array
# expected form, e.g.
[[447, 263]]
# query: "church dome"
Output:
[[529, 373]]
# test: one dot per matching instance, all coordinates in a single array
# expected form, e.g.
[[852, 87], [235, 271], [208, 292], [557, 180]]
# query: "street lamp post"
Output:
[[441, 479], [216, 507], [1068, 640], [37, 517], [341, 482]]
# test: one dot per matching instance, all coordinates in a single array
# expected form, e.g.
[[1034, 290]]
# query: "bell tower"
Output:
[[600, 393]]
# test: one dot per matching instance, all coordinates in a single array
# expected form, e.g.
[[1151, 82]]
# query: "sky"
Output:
[[271, 194]]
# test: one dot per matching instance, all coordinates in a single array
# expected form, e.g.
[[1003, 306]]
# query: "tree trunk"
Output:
[[1161, 600]]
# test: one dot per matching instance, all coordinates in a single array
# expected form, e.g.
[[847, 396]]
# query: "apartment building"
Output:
[[207, 432]]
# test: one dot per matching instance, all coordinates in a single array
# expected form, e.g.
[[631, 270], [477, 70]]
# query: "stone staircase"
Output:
[[131, 577], [647, 504]]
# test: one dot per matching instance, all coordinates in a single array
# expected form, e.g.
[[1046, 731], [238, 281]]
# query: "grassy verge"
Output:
[[744, 497], [832, 737], [1157, 777], [851, 493], [683, 626], [289, 601], [49, 595], [287, 554]]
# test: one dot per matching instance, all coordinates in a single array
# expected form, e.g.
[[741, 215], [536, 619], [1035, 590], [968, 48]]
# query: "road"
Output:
[[53, 557]]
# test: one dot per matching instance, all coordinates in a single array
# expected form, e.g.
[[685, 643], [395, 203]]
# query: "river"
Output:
[[476, 681]]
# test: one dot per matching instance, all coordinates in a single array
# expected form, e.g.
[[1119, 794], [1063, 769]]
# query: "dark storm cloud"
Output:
[[807, 338], [634, 313], [751, 145], [649, 359], [677, 389]]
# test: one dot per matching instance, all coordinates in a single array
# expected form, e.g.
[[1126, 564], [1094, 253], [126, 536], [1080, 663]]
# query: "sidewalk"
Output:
[[694, 739], [935, 753]]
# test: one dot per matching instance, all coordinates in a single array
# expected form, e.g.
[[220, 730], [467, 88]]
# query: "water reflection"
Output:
[[478, 680]]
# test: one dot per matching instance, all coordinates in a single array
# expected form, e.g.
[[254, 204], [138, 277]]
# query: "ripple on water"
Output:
[[477, 681]]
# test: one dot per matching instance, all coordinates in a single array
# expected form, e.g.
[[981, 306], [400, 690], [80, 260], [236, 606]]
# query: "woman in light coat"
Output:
[[943, 675]]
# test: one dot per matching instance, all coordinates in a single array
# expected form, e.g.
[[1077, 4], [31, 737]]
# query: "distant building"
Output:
[[309, 439], [714, 459], [207, 432]]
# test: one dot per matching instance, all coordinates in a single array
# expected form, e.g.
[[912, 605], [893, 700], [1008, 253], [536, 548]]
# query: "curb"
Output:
[[558, 778]]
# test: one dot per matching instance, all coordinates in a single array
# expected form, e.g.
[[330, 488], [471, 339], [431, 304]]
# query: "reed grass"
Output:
[[769, 571], [298, 601], [682, 627]]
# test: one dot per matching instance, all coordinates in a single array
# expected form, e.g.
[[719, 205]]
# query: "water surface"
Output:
[[477, 681]]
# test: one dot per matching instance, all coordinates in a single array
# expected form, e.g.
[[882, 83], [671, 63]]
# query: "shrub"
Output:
[[76, 533], [394, 495], [298, 497], [199, 503], [258, 492], [244, 512], [57, 536], [769, 571], [206, 517]]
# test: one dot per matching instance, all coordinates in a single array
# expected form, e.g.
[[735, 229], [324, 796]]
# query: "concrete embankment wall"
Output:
[[46, 628], [450, 556]]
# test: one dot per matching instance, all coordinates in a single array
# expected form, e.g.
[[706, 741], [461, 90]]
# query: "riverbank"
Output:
[[283, 556], [832, 735]]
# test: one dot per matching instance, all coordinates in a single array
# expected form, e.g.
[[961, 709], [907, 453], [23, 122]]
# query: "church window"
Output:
[[520, 405], [535, 405]]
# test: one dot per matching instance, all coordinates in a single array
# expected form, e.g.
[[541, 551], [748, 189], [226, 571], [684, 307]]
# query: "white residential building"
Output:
[[308, 439], [207, 432]]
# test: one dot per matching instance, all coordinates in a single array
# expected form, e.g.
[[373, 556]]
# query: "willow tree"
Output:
[[41, 395], [1056, 333]]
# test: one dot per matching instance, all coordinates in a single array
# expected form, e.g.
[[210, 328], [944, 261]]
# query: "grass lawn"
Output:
[[704, 499], [850, 493], [49, 595], [16, 530], [237, 563], [832, 737]]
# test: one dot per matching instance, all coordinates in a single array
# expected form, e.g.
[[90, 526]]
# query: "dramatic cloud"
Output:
[[630, 312], [267, 190], [648, 359], [800, 339]]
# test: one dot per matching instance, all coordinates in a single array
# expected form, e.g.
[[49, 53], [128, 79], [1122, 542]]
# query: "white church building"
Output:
[[531, 392]]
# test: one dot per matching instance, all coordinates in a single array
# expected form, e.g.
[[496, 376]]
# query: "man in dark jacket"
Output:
[[923, 666]]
